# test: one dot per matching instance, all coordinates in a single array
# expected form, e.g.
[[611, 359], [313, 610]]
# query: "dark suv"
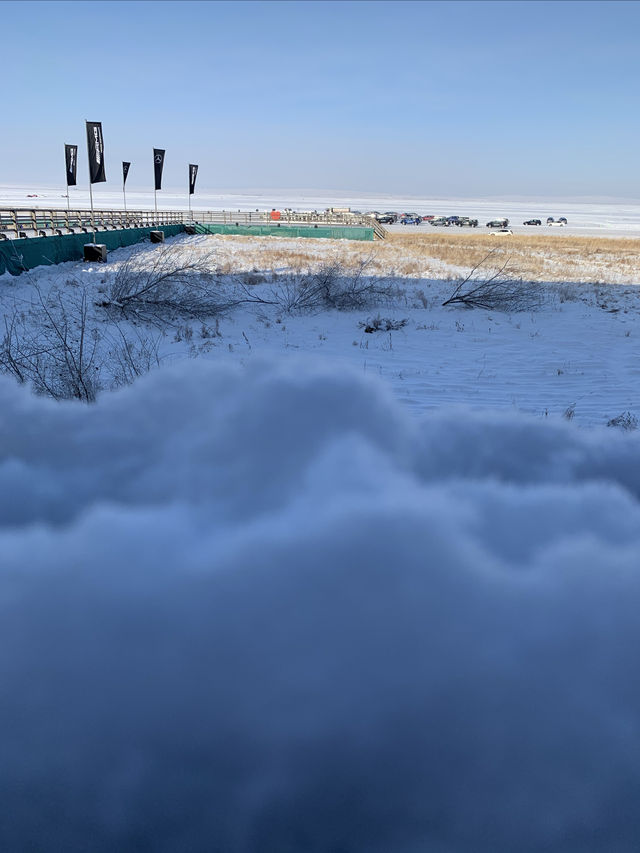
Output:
[[533, 222]]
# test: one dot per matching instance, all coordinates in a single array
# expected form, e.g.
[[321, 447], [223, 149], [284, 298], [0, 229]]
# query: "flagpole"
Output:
[[125, 171], [193, 171], [155, 191], [66, 176], [189, 191], [93, 224]]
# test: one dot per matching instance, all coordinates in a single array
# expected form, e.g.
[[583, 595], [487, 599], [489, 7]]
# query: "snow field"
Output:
[[577, 355], [258, 608], [579, 352]]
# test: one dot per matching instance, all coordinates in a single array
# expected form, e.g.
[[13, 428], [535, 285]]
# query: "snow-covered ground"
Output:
[[605, 217], [308, 588], [578, 351]]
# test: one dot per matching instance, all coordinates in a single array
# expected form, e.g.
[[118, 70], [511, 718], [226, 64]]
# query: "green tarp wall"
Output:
[[16, 256], [27, 253], [335, 232]]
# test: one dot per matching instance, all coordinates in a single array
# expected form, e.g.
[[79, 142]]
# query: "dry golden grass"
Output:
[[443, 255], [535, 257]]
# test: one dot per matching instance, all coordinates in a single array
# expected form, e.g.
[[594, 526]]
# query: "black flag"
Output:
[[158, 163], [95, 146], [125, 172], [71, 158], [193, 171]]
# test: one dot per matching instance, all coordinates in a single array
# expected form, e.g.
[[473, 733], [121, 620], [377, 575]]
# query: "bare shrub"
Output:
[[131, 357], [626, 421], [382, 324], [568, 293], [423, 299], [54, 345], [156, 286], [496, 291], [331, 286], [254, 277], [58, 354], [183, 333]]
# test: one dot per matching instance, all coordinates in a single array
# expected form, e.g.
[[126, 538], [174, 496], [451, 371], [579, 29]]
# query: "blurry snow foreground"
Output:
[[265, 610]]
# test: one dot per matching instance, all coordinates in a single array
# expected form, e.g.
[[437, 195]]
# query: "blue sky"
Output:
[[453, 98]]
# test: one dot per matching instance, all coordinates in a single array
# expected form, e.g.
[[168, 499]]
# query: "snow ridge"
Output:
[[265, 609]]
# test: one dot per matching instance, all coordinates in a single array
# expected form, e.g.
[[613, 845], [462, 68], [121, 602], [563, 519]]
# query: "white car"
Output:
[[500, 232]]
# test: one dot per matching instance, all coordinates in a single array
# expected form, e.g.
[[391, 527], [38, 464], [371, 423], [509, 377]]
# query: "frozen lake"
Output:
[[606, 218]]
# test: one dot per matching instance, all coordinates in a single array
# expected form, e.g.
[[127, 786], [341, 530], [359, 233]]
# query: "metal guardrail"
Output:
[[19, 223]]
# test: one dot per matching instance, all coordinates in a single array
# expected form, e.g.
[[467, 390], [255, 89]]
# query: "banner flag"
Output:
[[125, 172], [193, 171], [95, 146], [158, 163], [71, 159]]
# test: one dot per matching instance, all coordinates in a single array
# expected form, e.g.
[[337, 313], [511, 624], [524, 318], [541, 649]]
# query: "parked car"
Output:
[[465, 220], [428, 218], [498, 223], [387, 218], [500, 232], [440, 220], [550, 220], [563, 220], [533, 222], [453, 220], [411, 219]]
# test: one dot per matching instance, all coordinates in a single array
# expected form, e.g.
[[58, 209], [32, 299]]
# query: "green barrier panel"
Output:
[[16, 256], [334, 232]]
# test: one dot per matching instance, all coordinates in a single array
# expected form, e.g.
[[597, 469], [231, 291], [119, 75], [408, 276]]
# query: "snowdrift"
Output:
[[262, 609]]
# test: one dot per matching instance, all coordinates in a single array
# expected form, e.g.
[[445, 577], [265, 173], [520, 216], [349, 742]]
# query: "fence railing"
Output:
[[18, 223]]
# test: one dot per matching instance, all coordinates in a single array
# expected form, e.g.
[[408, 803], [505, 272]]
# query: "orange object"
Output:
[[275, 214]]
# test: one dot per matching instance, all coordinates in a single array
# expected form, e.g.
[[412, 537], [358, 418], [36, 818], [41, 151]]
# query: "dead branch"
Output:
[[156, 286], [498, 291]]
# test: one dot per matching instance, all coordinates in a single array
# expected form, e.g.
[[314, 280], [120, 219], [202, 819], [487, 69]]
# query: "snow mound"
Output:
[[264, 610]]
